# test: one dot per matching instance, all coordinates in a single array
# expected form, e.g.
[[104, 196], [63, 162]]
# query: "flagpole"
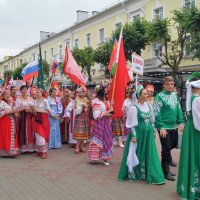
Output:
[[32, 81], [118, 49], [136, 82], [51, 82]]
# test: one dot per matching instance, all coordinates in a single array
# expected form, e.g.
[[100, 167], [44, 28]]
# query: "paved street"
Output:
[[67, 176]]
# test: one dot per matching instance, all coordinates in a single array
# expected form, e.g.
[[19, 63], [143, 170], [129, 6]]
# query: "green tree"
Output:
[[85, 59], [9, 72], [193, 28], [135, 35], [46, 68], [17, 72], [102, 55], [135, 40], [174, 47]]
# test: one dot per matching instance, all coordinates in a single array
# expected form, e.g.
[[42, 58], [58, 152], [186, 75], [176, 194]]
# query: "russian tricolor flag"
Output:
[[30, 70]]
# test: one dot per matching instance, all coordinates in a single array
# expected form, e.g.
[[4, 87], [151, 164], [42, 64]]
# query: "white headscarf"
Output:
[[195, 84]]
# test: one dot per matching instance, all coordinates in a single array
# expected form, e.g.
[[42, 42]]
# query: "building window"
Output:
[[135, 17], [117, 25], [60, 50], [101, 67], [189, 3], [5, 68], [157, 49], [76, 43], [45, 55], [188, 47], [101, 35], [88, 40], [68, 43], [158, 13], [51, 52], [33, 57]]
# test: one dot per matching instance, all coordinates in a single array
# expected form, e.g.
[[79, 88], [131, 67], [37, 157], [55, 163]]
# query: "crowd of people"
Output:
[[44, 120]]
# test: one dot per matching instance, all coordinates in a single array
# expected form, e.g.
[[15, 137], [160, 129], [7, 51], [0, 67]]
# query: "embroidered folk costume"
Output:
[[101, 143], [25, 129], [41, 125], [8, 131], [67, 120], [81, 129], [188, 183], [54, 120], [140, 160], [168, 115]]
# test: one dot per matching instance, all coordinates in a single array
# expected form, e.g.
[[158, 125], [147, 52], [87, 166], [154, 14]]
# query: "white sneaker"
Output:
[[120, 141], [106, 163]]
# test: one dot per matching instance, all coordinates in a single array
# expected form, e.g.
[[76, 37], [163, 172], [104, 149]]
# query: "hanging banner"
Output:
[[137, 64]]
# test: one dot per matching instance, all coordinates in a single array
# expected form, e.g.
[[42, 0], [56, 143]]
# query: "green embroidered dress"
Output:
[[188, 183], [149, 167]]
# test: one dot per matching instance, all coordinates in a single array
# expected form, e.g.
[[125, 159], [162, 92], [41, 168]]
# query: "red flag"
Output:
[[6, 83], [113, 55], [72, 70], [57, 87], [119, 82]]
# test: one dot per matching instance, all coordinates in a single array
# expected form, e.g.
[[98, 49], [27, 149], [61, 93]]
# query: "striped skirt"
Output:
[[81, 127], [101, 143], [118, 126]]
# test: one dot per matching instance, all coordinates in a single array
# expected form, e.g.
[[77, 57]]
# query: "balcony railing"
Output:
[[152, 63]]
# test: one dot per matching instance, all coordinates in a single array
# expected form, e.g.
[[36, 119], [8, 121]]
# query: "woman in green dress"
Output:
[[140, 160], [188, 183]]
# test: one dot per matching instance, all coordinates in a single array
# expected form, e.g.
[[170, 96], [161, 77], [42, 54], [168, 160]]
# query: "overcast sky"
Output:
[[22, 20]]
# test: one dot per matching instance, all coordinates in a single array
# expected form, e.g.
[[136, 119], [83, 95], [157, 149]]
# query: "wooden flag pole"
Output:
[[32, 81], [136, 82]]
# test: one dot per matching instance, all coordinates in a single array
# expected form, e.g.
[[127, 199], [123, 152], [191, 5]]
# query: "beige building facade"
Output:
[[95, 28]]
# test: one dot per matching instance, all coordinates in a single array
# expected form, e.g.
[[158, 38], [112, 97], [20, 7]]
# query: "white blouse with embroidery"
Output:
[[196, 112], [98, 108], [132, 119]]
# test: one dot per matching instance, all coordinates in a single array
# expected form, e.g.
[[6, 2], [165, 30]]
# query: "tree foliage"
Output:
[[9, 73], [84, 58], [46, 68], [17, 72], [135, 35]]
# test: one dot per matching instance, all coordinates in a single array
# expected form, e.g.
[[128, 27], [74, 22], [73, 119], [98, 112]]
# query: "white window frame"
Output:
[[117, 25], [101, 37], [187, 50], [88, 39], [160, 15], [60, 49], [33, 57], [52, 55], [45, 55], [67, 43], [134, 14], [188, 3], [76, 43], [156, 49]]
